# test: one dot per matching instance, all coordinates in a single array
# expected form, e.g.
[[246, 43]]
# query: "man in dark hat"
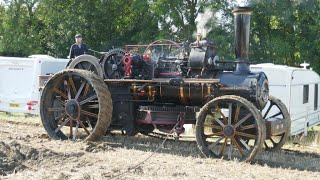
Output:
[[78, 48]]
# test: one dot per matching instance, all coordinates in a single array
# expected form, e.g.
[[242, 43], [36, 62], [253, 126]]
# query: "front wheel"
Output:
[[277, 109], [226, 124], [75, 100]]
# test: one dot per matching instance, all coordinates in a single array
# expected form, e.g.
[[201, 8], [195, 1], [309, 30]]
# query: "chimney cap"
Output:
[[242, 10]]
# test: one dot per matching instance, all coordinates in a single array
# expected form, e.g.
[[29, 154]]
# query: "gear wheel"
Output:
[[112, 65]]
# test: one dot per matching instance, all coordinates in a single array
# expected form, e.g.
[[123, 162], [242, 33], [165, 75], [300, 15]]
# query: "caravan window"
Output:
[[315, 96], [305, 94]]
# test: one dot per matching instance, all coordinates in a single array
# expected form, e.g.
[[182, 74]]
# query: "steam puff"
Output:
[[204, 18]]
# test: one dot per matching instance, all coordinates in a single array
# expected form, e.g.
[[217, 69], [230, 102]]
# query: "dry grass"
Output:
[[20, 118]]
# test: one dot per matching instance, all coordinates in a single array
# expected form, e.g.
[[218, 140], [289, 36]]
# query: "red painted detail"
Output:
[[32, 103], [29, 108], [142, 93], [127, 61]]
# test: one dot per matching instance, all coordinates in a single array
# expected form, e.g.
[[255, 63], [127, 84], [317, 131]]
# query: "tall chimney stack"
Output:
[[242, 30]]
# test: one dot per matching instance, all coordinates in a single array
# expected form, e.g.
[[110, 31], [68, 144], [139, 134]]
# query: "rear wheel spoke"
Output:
[[75, 132], [60, 93], [63, 124], [88, 99], [60, 117], [73, 87], [89, 113], [80, 90], [84, 127], [55, 109]]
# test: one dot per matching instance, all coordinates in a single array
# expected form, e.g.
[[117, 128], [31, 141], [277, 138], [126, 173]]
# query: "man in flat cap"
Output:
[[78, 48]]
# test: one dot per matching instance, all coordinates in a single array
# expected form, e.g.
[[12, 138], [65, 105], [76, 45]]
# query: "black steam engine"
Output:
[[166, 87]]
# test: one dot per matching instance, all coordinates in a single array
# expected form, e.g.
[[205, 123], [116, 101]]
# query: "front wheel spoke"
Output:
[[243, 120], [223, 146], [279, 113], [63, 124], [89, 67], [218, 121], [212, 126], [252, 136], [89, 113], [215, 143], [244, 144], [84, 127], [55, 109], [238, 146], [223, 116], [215, 134], [88, 99], [236, 116], [267, 112], [76, 131], [230, 113], [274, 143], [60, 93], [230, 150], [247, 127], [80, 90], [80, 66]]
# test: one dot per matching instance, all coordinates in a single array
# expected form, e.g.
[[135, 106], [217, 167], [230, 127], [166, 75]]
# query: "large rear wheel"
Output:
[[76, 104], [224, 126]]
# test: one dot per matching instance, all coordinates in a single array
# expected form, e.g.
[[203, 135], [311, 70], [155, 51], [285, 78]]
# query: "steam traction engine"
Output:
[[166, 87]]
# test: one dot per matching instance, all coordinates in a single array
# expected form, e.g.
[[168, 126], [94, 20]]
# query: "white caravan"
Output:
[[298, 89], [19, 85]]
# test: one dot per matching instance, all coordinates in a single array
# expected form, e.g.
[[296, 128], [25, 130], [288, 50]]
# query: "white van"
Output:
[[19, 85], [298, 89]]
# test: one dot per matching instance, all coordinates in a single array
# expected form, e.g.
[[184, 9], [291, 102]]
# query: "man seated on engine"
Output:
[[77, 48]]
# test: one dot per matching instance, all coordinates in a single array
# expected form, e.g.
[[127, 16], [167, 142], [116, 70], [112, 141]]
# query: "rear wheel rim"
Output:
[[72, 106]]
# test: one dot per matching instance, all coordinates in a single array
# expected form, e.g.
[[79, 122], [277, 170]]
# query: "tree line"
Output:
[[282, 32]]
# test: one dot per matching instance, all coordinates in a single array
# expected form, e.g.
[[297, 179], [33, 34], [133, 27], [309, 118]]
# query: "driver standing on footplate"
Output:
[[77, 48]]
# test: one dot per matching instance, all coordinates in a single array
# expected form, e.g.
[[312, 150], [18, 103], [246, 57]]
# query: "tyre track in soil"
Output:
[[26, 152]]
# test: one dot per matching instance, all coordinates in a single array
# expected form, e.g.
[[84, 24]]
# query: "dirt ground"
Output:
[[26, 152]]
